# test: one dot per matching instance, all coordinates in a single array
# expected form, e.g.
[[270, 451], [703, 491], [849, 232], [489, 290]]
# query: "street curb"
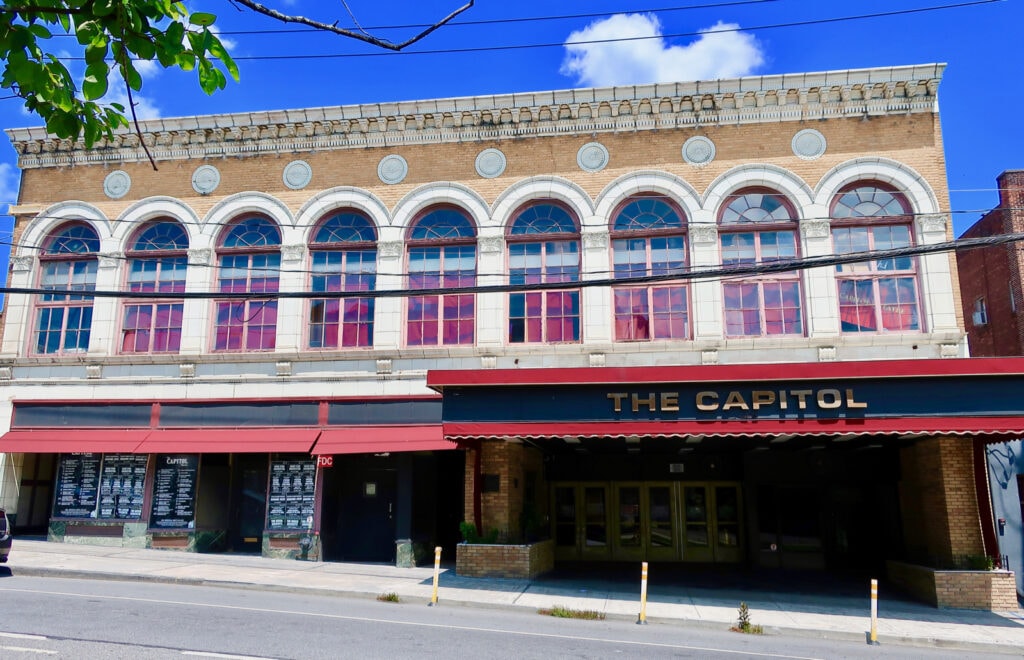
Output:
[[901, 641]]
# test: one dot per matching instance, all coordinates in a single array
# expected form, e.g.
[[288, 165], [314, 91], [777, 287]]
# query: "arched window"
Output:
[[157, 262], [249, 259], [544, 248], [877, 295], [68, 265], [442, 255], [760, 227], [344, 259], [648, 239]]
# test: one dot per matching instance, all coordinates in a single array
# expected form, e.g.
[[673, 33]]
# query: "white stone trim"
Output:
[[904, 178], [442, 192], [337, 199], [60, 213], [239, 204], [297, 174], [117, 184], [540, 188], [152, 208], [646, 181], [760, 175], [490, 163]]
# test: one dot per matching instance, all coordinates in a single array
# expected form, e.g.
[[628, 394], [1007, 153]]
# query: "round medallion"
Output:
[[392, 169], [490, 163], [809, 144], [698, 150], [297, 174], [592, 157], [205, 179], [116, 184]]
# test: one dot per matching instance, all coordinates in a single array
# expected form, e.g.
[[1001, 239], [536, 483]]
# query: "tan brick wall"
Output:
[[505, 561], [971, 590], [939, 501]]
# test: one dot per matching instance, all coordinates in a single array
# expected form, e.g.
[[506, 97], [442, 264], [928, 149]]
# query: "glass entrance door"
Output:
[[581, 522], [645, 526], [711, 514]]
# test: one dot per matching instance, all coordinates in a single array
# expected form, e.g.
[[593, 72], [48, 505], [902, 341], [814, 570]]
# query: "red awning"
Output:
[[988, 426], [380, 439], [67, 441], [229, 441]]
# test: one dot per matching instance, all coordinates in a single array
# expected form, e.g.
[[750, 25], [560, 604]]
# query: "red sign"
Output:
[[325, 461]]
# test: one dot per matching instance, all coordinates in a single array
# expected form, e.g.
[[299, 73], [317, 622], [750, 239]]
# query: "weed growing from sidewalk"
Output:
[[566, 613], [743, 625], [390, 597]]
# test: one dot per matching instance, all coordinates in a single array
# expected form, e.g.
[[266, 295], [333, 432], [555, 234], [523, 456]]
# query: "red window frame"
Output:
[[440, 256], [878, 295], [343, 258], [655, 228], [69, 261], [759, 226], [155, 325], [252, 266], [544, 246]]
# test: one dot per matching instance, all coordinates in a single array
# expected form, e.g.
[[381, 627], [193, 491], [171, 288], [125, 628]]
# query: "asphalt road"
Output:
[[64, 618]]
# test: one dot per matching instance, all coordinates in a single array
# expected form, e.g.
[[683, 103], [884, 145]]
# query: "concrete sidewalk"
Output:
[[833, 616]]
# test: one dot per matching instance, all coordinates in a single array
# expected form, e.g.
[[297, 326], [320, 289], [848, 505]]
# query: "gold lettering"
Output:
[[649, 402], [836, 399], [670, 401], [783, 403], [762, 398], [617, 397], [850, 403], [735, 400], [801, 397], [702, 401]]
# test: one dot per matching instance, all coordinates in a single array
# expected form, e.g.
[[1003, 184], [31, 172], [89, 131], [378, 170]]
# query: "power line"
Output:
[[729, 272]]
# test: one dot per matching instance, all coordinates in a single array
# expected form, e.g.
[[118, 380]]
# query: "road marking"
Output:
[[446, 626], [205, 654], [22, 636], [25, 649]]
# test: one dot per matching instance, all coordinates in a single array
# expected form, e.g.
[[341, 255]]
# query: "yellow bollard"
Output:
[[873, 639], [437, 573], [642, 621]]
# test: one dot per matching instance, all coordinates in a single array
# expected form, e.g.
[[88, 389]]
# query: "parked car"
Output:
[[5, 536]]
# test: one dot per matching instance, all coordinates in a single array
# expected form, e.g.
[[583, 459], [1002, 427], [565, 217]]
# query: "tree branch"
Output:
[[327, 27]]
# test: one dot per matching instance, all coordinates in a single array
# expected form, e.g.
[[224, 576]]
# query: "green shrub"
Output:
[[743, 625]]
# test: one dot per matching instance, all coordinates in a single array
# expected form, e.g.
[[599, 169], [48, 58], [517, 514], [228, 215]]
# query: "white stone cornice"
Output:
[[200, 257], [111, 260], [23, 264], [702, 234], [292, 253], [933, 223], [815, 228], [754, 99], [390, 249]]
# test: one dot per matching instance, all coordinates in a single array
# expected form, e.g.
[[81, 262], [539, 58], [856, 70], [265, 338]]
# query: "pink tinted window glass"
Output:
[[157, 263], [344, 259], [63, 316], [753, 231], [250, 262], [875, 295], [441, 257], [648, 240], [544, 248]]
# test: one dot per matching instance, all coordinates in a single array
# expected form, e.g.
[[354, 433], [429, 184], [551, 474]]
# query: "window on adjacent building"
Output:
[[157, 263], [648, 239], [442, 255], [344, 259], [875, 295], [68, 265], [249, 259], [544, 248], [759, 227], [980, 315]]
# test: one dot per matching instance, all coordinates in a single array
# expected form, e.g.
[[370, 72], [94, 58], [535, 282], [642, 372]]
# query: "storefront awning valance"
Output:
[[1010, 427], [229, 441], [66, 441], [380, 439]]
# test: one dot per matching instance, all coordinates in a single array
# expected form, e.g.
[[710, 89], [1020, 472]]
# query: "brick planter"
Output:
[[969, 590], [505, 561]]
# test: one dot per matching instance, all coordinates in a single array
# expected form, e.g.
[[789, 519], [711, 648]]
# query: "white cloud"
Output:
[[8, 187], [713, 55], [117, 92]]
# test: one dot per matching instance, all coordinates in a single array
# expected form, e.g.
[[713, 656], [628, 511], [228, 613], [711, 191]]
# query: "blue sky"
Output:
[[980, 97]]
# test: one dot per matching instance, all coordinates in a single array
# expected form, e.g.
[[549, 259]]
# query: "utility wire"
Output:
[[763, 268]]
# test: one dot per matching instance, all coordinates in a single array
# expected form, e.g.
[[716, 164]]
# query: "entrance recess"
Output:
[[647, 521]]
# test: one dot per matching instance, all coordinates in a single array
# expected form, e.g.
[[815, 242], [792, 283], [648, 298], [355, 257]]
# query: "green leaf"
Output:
[[202, 19], [103, 7], [94, 85], [131, 75]]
